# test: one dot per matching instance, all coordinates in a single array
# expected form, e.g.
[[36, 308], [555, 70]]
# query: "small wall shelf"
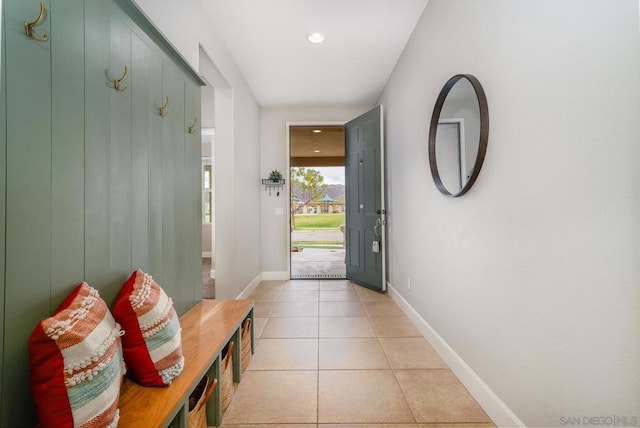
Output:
[[276, 185]]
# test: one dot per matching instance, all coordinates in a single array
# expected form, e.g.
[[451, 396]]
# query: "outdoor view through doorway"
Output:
[[317, 202]]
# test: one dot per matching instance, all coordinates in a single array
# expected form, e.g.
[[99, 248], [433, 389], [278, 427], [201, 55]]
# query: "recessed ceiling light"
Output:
[[316, 151], [315, 38], [317, 131]]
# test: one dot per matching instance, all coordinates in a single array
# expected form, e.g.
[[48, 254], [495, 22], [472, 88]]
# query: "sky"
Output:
[[332, 174]]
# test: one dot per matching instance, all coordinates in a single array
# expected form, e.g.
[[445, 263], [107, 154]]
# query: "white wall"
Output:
[[237, 151], [533, 276], [208, 107], [273, 149]]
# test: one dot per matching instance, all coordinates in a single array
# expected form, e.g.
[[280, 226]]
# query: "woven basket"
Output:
[[198, 401], [226, 376], [246, 344]]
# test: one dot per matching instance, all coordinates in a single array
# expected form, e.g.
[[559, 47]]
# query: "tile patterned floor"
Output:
[[332, 354]]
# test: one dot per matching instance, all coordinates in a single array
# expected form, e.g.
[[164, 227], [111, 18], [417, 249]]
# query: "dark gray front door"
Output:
[[364, 169]]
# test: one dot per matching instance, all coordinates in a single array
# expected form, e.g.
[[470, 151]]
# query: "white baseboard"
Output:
[[212, 274], [207, 254], [275, 275], [497, 410], [249, 288], [263, 276]]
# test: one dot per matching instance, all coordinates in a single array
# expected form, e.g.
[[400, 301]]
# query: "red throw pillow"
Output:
[[76, 363], [152, 342]]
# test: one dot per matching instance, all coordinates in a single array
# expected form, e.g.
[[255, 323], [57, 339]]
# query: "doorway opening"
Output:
[[317, 201], [215, 125], [208, 210]]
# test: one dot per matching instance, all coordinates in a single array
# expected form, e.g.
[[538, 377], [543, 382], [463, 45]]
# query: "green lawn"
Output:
[[318, 221]]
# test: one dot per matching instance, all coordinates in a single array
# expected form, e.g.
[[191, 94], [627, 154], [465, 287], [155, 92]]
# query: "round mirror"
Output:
[[458, 135]]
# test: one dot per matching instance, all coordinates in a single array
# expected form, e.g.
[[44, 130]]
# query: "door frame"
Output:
[[223, 170], [383, 200], [462, 149], [210, 133], [288, 126]]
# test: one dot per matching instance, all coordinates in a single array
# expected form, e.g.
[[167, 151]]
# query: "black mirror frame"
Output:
[[484, 133]]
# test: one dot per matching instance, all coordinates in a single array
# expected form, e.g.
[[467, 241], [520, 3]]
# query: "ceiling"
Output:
[[268, 40], [324, 148]]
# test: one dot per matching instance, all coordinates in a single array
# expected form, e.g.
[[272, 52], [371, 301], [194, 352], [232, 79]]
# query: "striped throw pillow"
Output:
[[76, 364], [152, 344]]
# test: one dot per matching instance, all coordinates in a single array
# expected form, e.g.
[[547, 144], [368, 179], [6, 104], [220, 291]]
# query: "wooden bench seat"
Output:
[[206, 329]]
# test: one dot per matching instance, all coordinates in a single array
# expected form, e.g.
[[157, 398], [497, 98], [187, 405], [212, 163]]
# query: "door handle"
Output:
[[377, 226]]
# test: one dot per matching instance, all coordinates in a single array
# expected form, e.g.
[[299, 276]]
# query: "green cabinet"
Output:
[[94, 182]]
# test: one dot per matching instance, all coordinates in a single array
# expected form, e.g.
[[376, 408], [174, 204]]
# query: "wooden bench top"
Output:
[[206, 329]]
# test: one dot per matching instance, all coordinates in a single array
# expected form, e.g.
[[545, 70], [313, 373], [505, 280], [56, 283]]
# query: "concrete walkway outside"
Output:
[[316, 235], [317, 262]]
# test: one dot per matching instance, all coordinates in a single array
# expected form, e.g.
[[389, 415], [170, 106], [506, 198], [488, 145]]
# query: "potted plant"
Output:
[[275, 176]]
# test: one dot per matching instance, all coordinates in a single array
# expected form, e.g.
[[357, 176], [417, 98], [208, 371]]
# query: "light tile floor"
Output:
[[334, 354]]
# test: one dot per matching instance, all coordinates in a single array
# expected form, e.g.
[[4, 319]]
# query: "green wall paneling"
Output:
[[67, 179], [108, 125], [3, 171], [155, 161], [173, 158], [28, 198], [110, 153], [146, 83], [120, 183], [98, 142], [97, 182], [183, 286], [193, 155], [172, 266], [189, 218]]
